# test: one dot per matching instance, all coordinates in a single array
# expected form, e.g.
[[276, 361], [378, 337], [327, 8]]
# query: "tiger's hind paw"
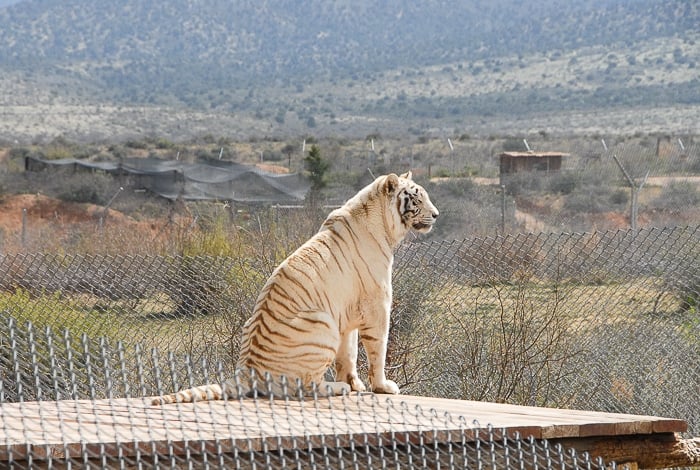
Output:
[[333, 388]]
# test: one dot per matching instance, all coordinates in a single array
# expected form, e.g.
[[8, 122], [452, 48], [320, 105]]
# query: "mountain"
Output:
[[218, 53]]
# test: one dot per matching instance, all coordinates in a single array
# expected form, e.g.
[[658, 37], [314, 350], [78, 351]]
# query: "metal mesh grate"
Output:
[[90, 411]]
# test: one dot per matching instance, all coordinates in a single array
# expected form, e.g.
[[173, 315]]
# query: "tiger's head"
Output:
[[412, 202]]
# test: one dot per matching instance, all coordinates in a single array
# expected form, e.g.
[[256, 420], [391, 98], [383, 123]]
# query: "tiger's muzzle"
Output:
[[425, 224]]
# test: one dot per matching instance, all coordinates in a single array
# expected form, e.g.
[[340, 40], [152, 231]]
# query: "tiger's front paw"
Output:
[[388, 387], [356, 384]]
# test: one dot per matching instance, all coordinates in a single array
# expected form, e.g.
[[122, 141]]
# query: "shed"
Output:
[[517, 162]]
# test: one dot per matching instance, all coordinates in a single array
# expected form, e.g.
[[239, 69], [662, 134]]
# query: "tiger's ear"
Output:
[[408, 175], [391, 184]]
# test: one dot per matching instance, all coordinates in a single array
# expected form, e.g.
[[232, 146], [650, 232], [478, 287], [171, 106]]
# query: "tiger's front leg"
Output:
[[346, 362], [375, 338]]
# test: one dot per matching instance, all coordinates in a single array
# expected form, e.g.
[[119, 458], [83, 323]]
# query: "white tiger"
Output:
[[333, 288]]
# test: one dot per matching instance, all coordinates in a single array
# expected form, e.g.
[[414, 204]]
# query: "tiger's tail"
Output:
[[245, 384], [201, 393]]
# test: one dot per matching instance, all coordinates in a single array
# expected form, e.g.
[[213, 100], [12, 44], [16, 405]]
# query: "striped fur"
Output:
[[333, 289]]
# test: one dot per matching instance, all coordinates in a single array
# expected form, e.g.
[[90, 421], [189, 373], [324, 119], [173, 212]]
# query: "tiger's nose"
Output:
[[435, 214]]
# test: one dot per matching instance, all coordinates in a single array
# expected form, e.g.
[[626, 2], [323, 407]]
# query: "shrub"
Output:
[[514, 144], [587, 200], [272, 156], [163, 143], [506, 343], [82, 193], [563, 182], [689, 294], [619, 197], [20, 152], [521, 183], [678, 195], [93, 188]]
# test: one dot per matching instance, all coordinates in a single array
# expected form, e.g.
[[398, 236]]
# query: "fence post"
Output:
[[634, 192], [503, 209], [24, 227], [103, 216]]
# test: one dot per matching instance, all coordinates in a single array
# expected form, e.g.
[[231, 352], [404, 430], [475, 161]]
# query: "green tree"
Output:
[[317, 167], [288, 150]]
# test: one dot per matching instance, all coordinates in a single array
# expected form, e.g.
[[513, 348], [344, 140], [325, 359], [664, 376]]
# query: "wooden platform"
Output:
[[128, 426]]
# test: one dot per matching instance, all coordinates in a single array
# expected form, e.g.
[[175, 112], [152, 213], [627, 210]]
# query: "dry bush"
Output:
[[514, 350], [507, 343]]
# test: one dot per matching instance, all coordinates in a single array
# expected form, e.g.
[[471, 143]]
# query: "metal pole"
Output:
[[503, 209], [634, 191], [633, 209], [635, 203], [106, 209]]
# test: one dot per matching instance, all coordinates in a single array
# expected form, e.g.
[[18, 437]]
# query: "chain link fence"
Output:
[[602, 321]]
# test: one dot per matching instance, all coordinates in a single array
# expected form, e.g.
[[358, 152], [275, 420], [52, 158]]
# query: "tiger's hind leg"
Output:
[[346, 362]]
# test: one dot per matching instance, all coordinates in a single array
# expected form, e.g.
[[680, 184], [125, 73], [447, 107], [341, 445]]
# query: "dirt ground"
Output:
[[29, 221]]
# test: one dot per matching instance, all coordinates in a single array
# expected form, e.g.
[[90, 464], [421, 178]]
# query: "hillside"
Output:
[[291, 67], [277, 40]]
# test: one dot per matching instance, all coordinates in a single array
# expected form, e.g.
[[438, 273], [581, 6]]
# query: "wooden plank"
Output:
[[134, 425], [554, 422], [662, 450]]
